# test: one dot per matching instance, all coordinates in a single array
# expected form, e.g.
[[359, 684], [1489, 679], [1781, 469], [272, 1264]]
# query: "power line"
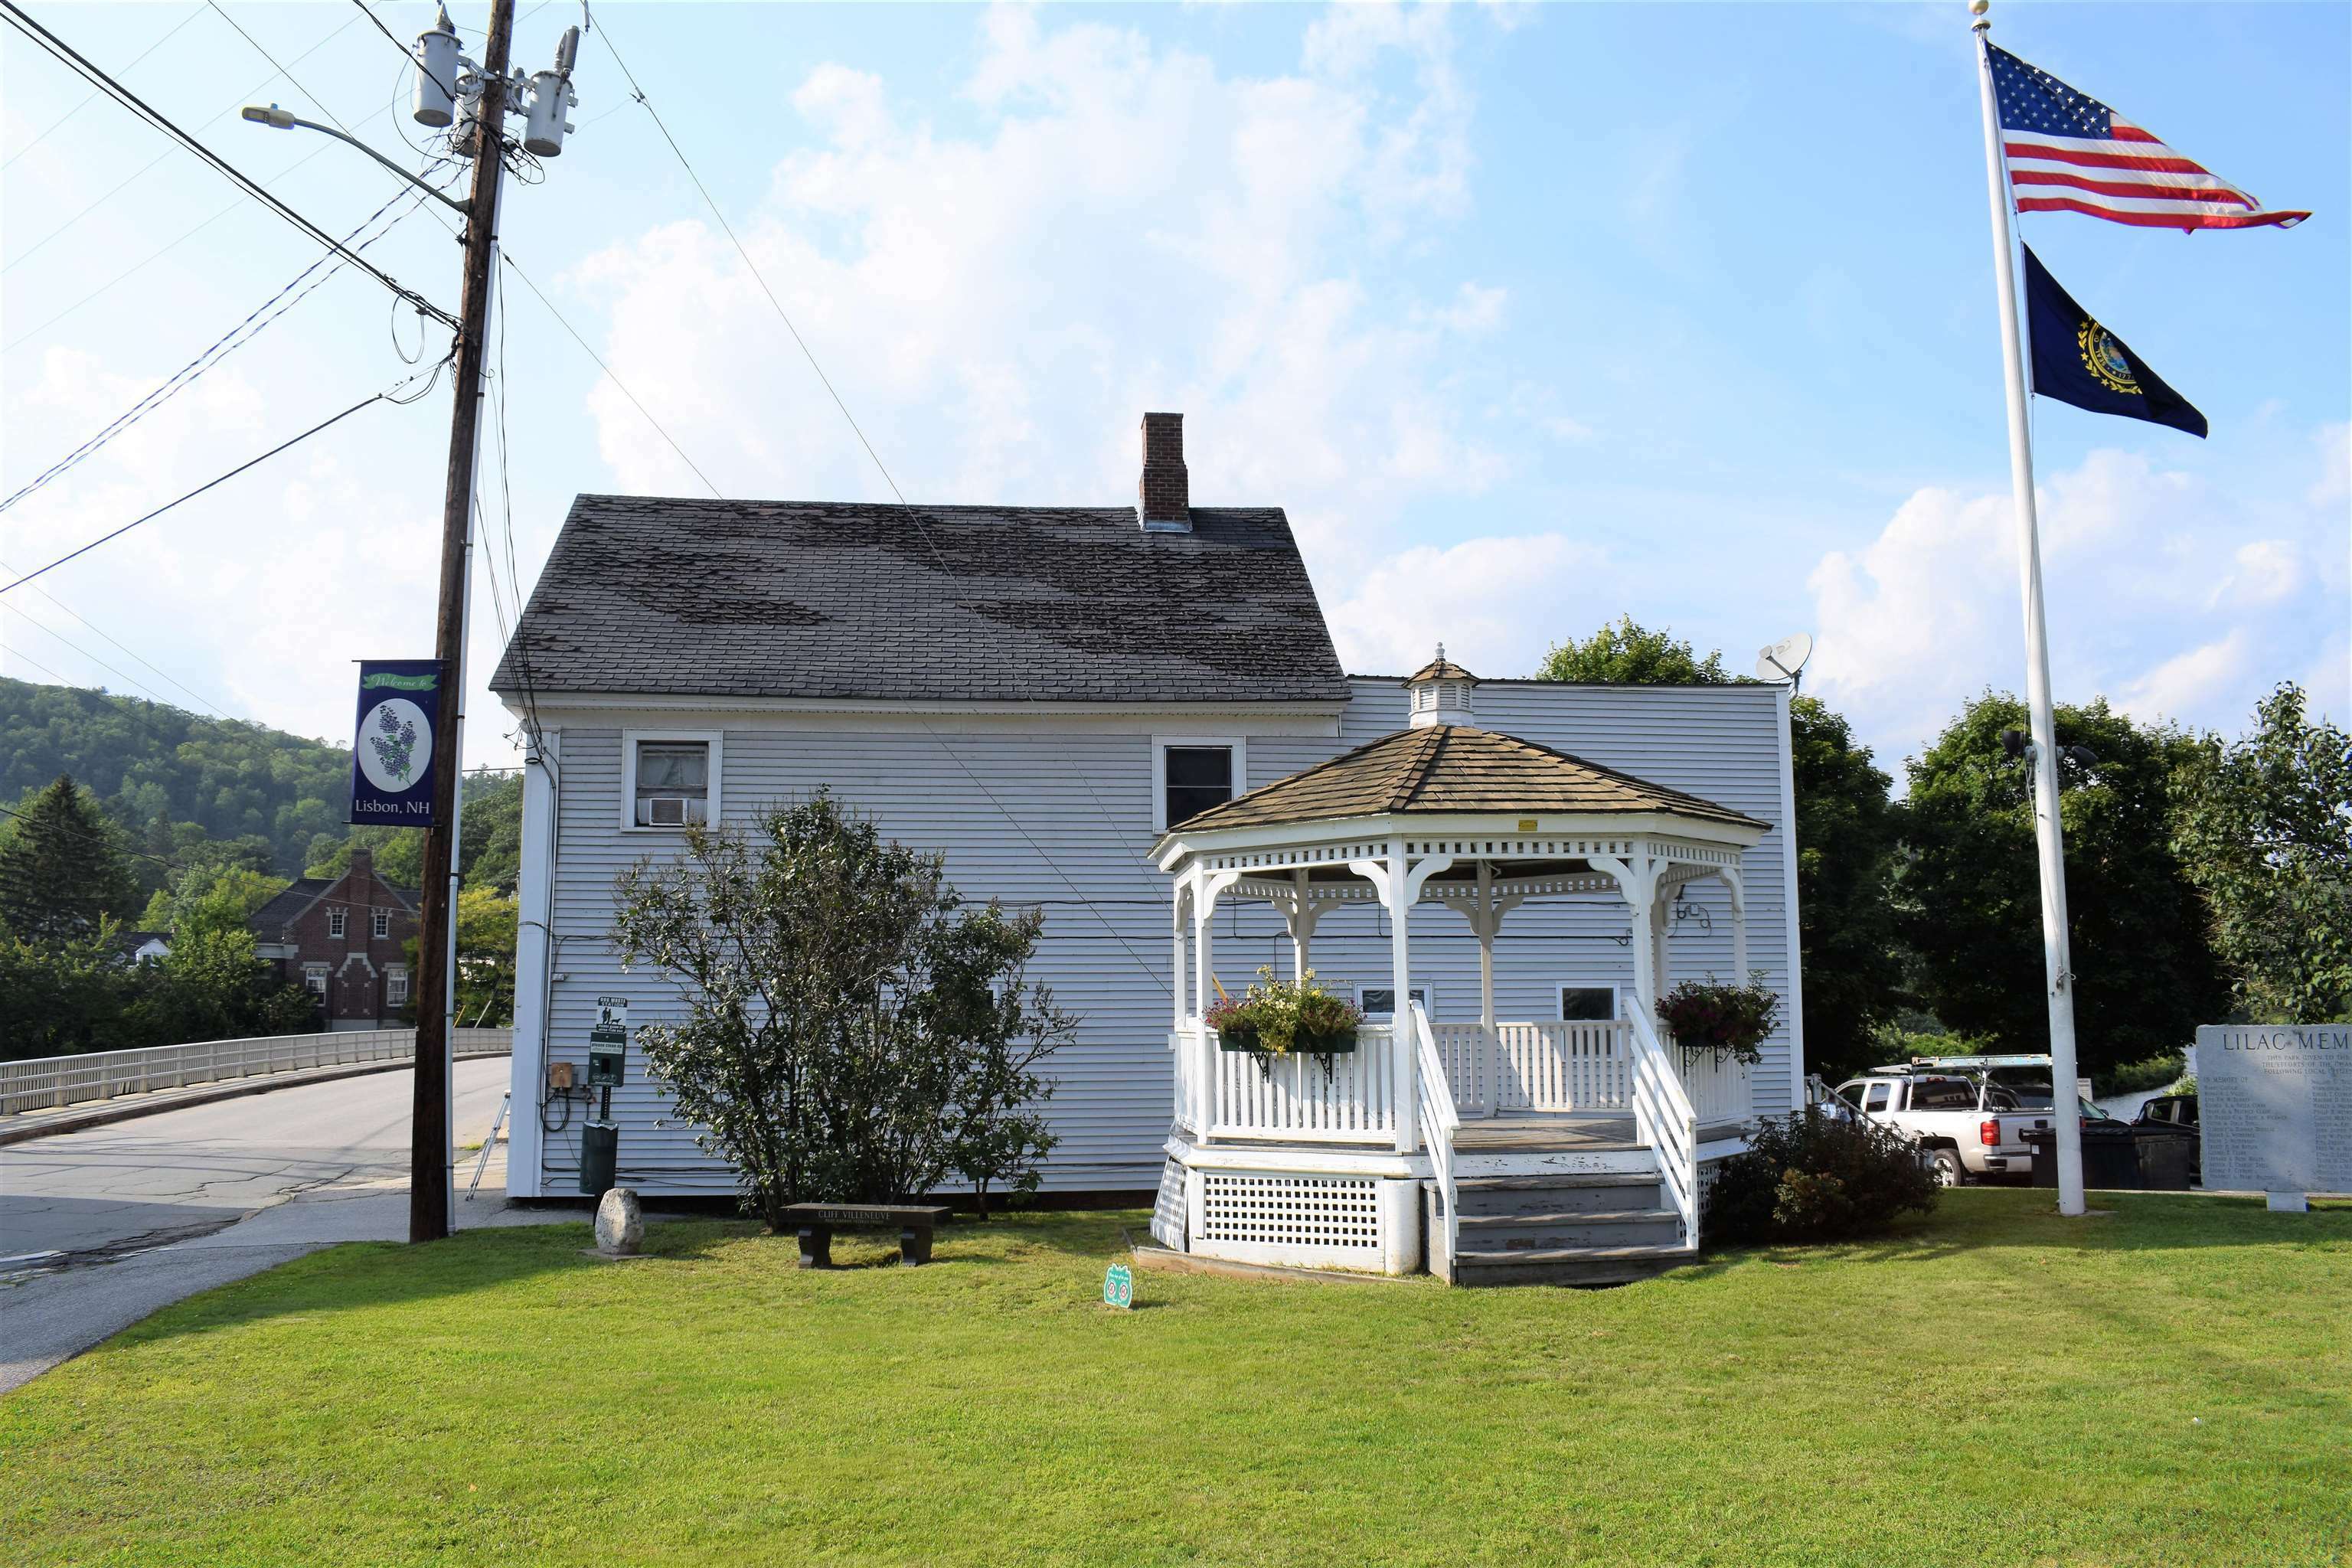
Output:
[[35, 663], [18, 342], [332, 419], [757, 276], [93, 97], [126, 648], [96, 838], [507, 258], [228, 343], [151, 163], [67, 56], [18, 610]]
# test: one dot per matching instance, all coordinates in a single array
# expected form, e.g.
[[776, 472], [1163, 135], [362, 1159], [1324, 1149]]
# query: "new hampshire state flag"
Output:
[[2077, 360]]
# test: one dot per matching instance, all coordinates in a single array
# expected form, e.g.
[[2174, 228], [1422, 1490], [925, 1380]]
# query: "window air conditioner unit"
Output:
[[672, 810]]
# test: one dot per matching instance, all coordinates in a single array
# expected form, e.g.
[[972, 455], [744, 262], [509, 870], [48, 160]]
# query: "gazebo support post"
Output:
[[1399, 899], [1732, 884], [1301, 917]]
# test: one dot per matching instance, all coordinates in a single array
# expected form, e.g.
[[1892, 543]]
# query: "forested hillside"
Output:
[[172, 778]]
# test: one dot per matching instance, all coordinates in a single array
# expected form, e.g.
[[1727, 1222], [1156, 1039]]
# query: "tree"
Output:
[[2264, 829], [1848, 839], [211, 986], [852, 1032], [1847, 830], [61, 996], [1625, 654], [210, 898], [61, 871], [486, 923], [2144, 971]]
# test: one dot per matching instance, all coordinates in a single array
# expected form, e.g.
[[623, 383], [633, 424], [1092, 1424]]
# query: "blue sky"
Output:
[[1530, 316]]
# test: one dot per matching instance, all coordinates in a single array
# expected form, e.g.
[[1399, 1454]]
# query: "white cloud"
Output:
[[1126, 229], [2266, 571], [2156, 596], [2186, 683], [1493, 602]]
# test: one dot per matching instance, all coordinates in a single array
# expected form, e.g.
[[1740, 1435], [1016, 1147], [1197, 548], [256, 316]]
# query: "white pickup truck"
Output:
[[1970, 1125]]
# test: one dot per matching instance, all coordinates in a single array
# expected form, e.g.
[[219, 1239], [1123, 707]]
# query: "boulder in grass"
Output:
[[620, 1223]]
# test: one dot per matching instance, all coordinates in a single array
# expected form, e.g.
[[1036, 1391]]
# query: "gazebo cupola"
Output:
[[1442, 693]]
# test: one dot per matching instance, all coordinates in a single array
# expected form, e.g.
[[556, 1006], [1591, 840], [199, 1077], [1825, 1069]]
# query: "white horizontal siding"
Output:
[[1069, 827]]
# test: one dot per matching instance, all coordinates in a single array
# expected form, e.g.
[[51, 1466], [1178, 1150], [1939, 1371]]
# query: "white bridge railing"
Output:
[[46, 1082]]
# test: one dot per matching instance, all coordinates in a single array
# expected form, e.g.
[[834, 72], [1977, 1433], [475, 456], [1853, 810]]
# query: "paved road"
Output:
[[102, 1227]]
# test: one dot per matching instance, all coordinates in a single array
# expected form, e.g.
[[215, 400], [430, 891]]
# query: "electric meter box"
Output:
[[604, 1061]]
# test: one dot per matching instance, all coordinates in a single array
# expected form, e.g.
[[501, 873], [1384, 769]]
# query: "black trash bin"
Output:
[[600, 1148], [2110, 1157]]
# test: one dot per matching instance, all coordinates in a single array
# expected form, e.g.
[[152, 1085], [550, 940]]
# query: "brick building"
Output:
[[344, 939]]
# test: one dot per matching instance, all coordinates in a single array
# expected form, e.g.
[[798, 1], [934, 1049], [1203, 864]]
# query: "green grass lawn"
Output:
[[2169, 1384]]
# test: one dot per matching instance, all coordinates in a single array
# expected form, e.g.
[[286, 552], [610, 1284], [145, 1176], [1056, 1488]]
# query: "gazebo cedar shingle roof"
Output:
[[1455, 769], [682, 596]]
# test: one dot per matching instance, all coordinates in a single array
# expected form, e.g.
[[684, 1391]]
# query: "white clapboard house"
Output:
[[1133, 718]]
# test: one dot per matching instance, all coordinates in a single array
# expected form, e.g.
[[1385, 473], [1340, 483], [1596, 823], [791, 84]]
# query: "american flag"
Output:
[[2069, 153]]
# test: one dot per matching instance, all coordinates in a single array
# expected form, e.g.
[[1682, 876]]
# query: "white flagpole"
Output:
[[2048, 835]]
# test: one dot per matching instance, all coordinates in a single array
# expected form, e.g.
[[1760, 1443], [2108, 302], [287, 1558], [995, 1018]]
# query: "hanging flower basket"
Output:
[[1281, 1017], [1728, 1020]]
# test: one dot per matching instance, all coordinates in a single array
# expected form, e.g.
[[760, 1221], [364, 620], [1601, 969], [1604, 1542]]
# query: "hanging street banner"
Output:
[[391, 755]]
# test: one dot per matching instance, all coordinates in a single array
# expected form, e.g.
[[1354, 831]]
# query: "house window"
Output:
[[1588, 1003], [1192, 776], [380, 923], [1380, 1001], [395, 983], [672, 779], [314, 977], [335, 924]]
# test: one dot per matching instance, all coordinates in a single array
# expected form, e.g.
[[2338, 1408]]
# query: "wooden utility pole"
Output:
[[429, 1177]]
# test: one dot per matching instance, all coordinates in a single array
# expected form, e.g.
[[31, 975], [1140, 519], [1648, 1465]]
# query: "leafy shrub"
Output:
[[1808, 1177], [2132, 1078]]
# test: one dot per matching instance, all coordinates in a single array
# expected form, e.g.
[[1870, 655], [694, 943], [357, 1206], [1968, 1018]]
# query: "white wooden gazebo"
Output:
[[1574, 1147]]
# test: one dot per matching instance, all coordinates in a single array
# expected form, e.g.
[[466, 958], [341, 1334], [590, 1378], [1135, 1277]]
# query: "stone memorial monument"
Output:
[[2274, 1107]]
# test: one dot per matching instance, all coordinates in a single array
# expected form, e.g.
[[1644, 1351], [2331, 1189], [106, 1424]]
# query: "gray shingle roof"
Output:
[[690, 597], [1454, 768]]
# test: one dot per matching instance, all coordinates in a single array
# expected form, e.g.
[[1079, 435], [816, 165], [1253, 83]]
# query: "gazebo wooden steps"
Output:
[[1559, 1134], [1566, 1229]]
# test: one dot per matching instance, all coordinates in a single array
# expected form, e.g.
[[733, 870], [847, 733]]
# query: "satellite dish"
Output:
[[1785, 660]]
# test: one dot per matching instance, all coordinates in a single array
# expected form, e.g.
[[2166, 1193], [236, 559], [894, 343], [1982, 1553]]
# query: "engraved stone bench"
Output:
[[817, 1222]]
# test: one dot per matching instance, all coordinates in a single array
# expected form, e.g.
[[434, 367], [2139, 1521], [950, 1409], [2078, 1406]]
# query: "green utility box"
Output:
[[605, 1060]]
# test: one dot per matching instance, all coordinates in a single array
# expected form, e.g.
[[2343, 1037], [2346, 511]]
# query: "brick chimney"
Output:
[[1164, 497], [362, 865]]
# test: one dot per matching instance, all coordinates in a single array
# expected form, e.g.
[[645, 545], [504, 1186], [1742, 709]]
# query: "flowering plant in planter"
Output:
[[1277, 1017], [1729, 1020]]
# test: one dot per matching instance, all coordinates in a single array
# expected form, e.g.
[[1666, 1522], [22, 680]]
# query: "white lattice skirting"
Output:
[[1305, 1221], [1167, 1208]]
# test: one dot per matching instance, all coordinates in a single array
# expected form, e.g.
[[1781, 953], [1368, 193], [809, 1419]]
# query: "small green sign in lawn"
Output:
[[1119, 1287]]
